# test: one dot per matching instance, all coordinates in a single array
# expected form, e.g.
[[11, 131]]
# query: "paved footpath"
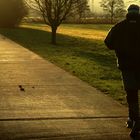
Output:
[[54, 104]]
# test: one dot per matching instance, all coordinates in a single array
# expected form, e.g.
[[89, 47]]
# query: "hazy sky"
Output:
[[97, 4]]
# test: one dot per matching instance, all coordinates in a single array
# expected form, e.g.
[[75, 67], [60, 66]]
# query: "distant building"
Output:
[[91, 5], [95, 6]]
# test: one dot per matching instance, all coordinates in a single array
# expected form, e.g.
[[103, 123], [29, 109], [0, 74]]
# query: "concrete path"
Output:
[[55, 105]]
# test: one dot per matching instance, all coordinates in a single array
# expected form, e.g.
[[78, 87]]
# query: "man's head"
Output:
[[133, 9]]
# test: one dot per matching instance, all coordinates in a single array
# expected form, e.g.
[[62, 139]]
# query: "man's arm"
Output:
[[109, 39]]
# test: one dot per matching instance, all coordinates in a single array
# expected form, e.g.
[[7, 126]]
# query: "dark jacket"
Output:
[[124, 38]]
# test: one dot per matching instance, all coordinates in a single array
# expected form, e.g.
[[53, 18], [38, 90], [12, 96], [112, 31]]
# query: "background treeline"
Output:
[[113, 11], [78, 11]]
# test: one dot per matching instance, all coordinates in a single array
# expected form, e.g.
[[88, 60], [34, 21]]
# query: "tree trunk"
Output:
[[112, 19], [79, 20], [54, 29]]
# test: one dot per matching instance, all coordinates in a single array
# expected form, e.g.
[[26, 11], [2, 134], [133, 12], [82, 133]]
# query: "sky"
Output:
[[98, 9]]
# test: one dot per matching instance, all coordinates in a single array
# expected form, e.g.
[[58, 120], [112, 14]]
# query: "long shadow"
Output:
[[38, 40]]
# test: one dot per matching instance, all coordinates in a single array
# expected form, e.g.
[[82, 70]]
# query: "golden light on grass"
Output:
[[75, 32], [84, 33]]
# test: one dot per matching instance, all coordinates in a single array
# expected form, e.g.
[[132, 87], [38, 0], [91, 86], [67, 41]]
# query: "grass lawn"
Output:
[[80, 51]]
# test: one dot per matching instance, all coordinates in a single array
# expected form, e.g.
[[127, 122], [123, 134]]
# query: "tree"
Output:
[[113, 8], [54, 12], [80, 7], [11, 12], [79, 10]]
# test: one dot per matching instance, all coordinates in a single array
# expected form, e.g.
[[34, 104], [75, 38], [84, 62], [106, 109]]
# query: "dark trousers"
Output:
[[131, 80], [133, 104]]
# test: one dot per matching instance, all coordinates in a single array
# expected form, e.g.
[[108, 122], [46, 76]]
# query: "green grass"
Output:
[[83, 56]]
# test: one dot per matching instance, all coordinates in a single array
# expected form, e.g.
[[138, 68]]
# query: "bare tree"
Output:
[[54, 12], [80, 7], [113, 8], [11, 12]]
